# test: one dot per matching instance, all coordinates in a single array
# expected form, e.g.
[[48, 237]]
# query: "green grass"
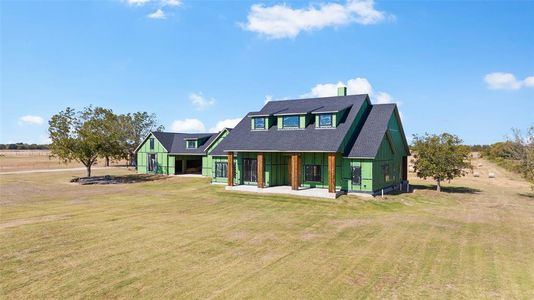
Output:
[[184, 238]]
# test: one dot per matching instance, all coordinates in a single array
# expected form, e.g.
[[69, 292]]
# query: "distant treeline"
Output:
[[23, 146]]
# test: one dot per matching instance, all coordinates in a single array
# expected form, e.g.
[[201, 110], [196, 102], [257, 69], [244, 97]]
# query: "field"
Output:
[[25, 160], [180, 237]]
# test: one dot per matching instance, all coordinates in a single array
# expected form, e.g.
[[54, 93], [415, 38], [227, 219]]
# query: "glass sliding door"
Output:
[[249, 170]]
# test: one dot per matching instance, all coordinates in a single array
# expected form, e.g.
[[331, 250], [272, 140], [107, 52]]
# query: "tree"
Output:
[[135, 128], [82, 136], [523, 151], [441, 157]]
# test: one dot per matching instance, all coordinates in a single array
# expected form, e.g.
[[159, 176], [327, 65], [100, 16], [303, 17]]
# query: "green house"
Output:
[[172, 153], [341, 143]]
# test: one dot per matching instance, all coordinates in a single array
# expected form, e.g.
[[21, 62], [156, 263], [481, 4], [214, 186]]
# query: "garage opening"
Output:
[[188, 166]]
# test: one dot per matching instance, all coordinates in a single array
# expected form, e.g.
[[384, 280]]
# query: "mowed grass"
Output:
[[184, 238]]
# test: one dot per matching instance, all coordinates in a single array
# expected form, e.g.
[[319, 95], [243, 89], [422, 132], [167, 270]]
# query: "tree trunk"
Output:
[[88, 170], [107, 161], [438, 186]]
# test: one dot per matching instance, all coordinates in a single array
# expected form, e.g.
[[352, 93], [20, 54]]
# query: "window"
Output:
[[221, 169], [152, 144], [249, 170], [312, 173], [325, 120], [356, 175], [259, 123], [385, 171], [191, 144], [152, 163], [290, 121]]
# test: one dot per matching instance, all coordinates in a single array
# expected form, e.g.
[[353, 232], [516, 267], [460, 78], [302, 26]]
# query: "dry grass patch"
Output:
[[180, 237]]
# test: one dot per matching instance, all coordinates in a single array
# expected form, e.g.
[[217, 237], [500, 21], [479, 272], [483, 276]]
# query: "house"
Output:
[[341, 143], [172, 153]]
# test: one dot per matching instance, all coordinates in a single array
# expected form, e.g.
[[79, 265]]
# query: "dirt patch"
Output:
[[20, 222]]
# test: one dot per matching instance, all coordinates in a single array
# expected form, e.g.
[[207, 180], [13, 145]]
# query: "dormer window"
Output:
[[325, 121], [259, 123], [291, 121], [191, 144]]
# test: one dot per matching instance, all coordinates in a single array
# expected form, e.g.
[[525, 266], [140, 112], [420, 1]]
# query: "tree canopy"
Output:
[[441, 157], [96, 132]]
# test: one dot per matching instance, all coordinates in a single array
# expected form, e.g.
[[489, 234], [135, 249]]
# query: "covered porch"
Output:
[[318, 175]]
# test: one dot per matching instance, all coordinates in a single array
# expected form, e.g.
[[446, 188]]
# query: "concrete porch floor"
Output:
[[303, 192]]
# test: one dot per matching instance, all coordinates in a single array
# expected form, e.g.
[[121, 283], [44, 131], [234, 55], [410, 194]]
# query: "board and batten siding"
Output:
[[165, 163]]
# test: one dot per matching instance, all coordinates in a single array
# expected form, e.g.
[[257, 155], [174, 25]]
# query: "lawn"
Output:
[[184, 238]]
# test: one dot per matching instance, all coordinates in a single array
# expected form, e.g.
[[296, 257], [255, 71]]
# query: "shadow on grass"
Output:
[[448, 189], [123, 179]]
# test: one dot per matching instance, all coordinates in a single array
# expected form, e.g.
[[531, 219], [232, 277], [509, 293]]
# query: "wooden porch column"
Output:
[[295, 171], [230, 175], [260, 170], [331, 172]]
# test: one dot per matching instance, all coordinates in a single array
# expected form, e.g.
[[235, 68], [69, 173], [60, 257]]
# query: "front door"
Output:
[[250, 170]]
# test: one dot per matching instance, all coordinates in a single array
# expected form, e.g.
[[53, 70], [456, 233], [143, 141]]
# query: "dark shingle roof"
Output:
[[175, 142], [373, 131], [242, 138]]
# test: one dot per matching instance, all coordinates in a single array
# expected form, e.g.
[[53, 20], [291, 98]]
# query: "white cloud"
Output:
[[200, 102], [158, 14], [228, 123], [188, 125], [354, 86], [268, 98], [529, 81], [32, 120], [138, 2], [171, 2], [281, 21], [507, 81]]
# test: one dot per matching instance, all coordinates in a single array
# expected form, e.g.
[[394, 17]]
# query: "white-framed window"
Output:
[[290, 121], [259, 123], [192, 144], [326, 120]]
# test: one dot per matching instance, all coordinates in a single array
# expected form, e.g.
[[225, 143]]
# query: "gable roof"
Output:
[[174, 142], [373, 131], [308, 139]]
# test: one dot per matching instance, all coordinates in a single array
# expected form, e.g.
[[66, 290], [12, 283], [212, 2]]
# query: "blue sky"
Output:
[[461, 67]]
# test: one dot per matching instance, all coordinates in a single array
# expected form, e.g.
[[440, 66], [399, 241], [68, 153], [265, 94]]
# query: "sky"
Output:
[[464, 67]]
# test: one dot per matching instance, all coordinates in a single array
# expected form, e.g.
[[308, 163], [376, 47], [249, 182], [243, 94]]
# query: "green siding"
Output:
[[390, 157], [366, 184], [163, 164]]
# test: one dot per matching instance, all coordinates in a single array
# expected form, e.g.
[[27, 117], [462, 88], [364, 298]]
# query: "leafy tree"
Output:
[[441, 157], [82, 136], [523, 152]]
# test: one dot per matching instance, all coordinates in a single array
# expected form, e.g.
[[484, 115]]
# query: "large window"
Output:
[[259, 123], [312, 173], [152, 163], [356, 175], [221, 169], [291, 121], [250, 170], [151, 144], [191, 144], [325, 120]]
